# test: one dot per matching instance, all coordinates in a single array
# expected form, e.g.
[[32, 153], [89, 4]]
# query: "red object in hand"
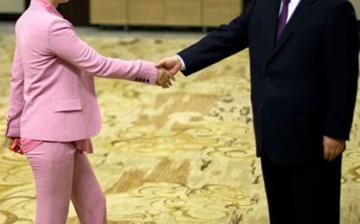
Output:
[[16, 146]]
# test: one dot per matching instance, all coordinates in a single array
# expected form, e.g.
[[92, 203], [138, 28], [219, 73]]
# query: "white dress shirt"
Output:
[[292, 6]]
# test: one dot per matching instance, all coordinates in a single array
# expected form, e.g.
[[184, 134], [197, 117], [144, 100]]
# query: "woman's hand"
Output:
[[164, 78]]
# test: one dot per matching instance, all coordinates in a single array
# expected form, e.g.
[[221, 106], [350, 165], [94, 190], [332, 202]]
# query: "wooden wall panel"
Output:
[[185, 12], [201, 13], [217, 12], [146, 12], [109, 12]]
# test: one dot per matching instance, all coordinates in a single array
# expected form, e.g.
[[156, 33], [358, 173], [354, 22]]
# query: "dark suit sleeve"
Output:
[[341, 44], [226, 40]]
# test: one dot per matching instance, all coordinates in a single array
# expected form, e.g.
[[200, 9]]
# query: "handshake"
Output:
[[167, 68]]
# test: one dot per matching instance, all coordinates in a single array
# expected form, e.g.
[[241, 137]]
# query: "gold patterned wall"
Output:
[[180, 155]]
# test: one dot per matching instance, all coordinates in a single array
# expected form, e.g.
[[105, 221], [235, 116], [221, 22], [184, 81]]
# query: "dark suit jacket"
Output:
[[302, 87]]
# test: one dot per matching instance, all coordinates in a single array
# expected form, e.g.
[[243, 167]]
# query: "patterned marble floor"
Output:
[[180, 155]]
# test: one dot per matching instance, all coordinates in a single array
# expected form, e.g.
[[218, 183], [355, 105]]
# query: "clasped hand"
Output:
[[164, 78], [167, 68]]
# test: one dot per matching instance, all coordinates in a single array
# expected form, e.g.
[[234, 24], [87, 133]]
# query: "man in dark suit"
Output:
[[303, 91]]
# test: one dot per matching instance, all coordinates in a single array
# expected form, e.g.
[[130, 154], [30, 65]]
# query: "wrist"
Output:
[[181, 63]]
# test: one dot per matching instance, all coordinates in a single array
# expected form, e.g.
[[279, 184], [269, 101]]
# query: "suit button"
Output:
[[268, 78]]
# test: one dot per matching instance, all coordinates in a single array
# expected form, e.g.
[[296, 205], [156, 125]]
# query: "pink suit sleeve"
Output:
[[63, 42], [16, 96]]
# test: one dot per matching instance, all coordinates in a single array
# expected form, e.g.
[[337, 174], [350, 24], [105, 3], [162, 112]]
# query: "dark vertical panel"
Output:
[[76, 11], [27, 3], [246, 3]]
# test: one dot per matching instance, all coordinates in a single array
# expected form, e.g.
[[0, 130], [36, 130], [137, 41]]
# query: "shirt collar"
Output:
[[295, 2]]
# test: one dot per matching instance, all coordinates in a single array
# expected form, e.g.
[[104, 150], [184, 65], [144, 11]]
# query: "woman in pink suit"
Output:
[[53, 108]]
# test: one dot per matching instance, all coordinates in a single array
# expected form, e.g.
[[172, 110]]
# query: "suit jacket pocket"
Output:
[[66, 105]]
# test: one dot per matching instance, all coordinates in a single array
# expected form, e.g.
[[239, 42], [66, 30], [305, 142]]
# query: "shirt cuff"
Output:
[[183, 67]]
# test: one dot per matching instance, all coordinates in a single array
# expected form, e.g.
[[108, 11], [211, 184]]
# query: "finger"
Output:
[[175, 69], [165, 83], [171, 74], [162, 85], [160, 63], [332, 153], [326, 153], [165, 63], [165, 86], [338, 151], [172, 77], [166, 80]]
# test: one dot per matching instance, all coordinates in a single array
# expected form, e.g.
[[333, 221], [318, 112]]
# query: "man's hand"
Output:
[[332, 147], [163, 78], [172, 64]]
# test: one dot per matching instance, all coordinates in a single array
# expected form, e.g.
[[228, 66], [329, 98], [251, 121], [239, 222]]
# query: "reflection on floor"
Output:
[[181, 155]]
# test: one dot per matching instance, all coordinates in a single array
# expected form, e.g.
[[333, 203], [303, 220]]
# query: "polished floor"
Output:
[[182, 155]]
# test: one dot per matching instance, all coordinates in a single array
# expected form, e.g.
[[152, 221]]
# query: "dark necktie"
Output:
[[282, 18]]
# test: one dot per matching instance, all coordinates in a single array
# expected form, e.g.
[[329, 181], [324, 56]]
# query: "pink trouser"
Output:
[[62, 173]]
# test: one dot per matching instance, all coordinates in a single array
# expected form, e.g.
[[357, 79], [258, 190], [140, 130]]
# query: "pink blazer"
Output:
[[52, 88]]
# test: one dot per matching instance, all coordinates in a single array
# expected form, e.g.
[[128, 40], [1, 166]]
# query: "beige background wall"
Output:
[[12, 6], [356, 4], [198, 13]]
